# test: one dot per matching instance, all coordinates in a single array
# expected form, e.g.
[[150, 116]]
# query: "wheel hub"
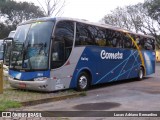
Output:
[[82, 82], [140, 74]]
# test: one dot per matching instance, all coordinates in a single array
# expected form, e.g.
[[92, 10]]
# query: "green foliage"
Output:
[[5, 29], [3, 1], [84, 93], [140, 18], [18, 12], [153, 7], [6, 104], [12, 13]]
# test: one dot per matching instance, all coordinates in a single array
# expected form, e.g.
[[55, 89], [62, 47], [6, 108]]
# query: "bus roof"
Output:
[[11, 34], [86, 22]]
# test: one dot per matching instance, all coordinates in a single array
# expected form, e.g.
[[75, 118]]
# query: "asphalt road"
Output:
[[130, 95]]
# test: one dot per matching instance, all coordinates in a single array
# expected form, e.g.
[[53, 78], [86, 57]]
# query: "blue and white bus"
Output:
[[50, 54]]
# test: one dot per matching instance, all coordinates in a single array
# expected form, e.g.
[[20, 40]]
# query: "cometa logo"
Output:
[[106, 55]]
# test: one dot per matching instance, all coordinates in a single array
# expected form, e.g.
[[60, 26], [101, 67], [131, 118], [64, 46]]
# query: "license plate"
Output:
[[22, 85]]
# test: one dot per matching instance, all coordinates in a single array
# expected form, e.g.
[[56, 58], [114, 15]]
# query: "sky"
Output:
[[92, 10]]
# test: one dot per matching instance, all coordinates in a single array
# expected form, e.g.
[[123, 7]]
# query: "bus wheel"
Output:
[[83, 81], [141, 74]]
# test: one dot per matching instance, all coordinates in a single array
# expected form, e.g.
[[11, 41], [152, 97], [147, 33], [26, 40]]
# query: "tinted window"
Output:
[[144, 42], [108, 34], [85, 34], [93, 35], [139, 40], [128, 41], [101, 37], [62, 44], [149, 44], [114, 38]]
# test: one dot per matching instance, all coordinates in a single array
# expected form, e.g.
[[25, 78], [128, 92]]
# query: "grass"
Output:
[[5, 104], [12, 98], [84, 93]]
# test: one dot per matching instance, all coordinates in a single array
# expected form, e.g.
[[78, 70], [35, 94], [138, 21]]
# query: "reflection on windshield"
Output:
[[36, 49], [36, 56], [31, 46]]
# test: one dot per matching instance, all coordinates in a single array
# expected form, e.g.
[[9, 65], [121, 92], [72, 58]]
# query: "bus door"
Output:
[[58, 49]]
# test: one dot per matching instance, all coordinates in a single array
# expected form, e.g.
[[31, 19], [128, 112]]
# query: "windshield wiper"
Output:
[[24, 62]]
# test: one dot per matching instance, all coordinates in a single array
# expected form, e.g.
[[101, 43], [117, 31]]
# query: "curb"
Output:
[[46, 100]]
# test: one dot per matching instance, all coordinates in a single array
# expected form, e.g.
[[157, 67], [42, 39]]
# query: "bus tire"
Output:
[[83, 81], [140, 73]]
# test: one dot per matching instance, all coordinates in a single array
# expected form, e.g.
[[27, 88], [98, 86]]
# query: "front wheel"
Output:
[[141, 74], [83, 81]]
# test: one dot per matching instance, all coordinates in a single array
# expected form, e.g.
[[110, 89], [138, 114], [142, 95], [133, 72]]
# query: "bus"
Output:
[[7, 44], [11, 34], [1, 49], [7, 47], [50, 54], [3, 42]]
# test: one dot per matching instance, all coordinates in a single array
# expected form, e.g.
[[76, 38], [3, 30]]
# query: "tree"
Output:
[[153, 7], [134, 18], [19, 12], [118, 18], [130, 18], [13, 13], [52, 7], [4, 30], [2, 1]]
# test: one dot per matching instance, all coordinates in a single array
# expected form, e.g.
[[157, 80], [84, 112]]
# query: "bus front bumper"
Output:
[[44, 85]]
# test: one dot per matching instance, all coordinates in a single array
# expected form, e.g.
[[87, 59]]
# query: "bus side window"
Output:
[[62, 43], [114, 42], [148, 44], [58, 51], [84, 34], [128, 43], [136, 40], [81, 34], [153, 44]]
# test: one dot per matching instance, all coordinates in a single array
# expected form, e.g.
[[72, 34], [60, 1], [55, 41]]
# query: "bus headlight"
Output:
[[40, 79], [6, 69], [11, 77]]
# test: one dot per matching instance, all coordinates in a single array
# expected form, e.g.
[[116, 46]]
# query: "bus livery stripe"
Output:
[[125, 61], [139, 51]]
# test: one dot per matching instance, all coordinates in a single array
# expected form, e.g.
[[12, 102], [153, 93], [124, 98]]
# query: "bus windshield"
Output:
[[7, 50], [30, 47]]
